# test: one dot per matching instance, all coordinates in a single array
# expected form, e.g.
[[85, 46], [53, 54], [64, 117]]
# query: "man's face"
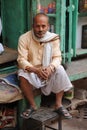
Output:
[[40, 26]]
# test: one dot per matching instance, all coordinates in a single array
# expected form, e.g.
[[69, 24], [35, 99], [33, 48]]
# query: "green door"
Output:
[[69, 14], [14, 21]]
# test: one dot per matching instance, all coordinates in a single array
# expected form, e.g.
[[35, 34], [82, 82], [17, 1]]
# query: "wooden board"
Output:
[[8, 55]]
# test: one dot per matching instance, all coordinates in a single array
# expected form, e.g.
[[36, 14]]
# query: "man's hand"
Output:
[[42, 72], [48, 71]]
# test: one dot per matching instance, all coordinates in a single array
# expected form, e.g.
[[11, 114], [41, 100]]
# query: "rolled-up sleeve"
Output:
[[56, 54]]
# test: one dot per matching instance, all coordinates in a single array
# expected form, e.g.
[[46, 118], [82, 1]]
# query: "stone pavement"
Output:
[[73, 124]]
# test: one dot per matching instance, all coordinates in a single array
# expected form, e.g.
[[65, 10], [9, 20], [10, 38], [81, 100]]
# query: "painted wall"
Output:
[[81, 21]]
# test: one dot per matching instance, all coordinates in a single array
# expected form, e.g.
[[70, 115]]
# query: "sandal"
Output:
[[63, 112], [27, 113]]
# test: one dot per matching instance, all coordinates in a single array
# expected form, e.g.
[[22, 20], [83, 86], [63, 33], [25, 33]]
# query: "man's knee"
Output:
[[22, 80], [60, 68]]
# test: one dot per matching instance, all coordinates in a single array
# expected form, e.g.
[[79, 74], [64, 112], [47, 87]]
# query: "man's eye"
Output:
[[43, 26]]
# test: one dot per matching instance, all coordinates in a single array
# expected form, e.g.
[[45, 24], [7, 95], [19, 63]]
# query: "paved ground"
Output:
[[78, 122], [73, 124]]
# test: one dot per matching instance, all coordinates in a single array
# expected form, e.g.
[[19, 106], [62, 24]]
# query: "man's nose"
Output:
[[40, 28]]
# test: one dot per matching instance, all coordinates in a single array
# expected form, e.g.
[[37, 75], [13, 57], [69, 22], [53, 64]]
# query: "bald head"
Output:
[[40, 24], [40, 15]]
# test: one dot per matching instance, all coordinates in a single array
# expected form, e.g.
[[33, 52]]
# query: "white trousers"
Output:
[[58, 81]]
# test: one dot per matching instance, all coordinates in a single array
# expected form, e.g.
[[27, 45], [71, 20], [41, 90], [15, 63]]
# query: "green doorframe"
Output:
[[73, 15], [69, 13], [63, 26], [74, 32], [70, 9], [58, 17]]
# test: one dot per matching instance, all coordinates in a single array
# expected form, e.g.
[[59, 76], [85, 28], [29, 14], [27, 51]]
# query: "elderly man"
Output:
[[39, 60]]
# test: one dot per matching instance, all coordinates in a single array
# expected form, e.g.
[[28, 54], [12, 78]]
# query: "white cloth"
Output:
[[58, 81], [47, 37]]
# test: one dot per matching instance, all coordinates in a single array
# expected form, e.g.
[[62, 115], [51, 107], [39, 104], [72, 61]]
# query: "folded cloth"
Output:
[[9, 89], [11, 80]]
